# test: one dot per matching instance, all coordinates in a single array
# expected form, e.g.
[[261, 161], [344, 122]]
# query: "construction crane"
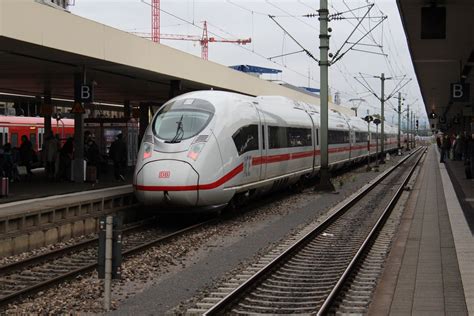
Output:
[[204, 40], [155, 21]]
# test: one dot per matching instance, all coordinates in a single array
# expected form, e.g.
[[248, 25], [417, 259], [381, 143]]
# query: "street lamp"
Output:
[[354, 106]]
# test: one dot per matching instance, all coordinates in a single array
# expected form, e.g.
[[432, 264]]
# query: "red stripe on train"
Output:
[[255, 161], [208, 186]]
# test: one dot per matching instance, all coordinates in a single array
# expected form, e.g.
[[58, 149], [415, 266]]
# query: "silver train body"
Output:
[[204, 148]]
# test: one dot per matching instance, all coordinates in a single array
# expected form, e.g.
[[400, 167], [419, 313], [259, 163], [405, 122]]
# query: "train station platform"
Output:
[[430, 269], [40, 212], [38, 185]]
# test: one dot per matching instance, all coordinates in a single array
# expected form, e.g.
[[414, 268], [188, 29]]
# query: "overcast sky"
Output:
[[232, 19]]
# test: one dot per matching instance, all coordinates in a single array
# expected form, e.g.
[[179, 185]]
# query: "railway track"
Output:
[[305, 275], [25, 277]]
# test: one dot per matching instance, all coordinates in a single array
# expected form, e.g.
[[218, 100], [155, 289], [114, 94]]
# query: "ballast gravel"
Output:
[[170, 278]]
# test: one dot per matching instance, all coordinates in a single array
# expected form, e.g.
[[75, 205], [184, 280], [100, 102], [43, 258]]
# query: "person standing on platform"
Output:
[[470, 156], [66, 155], [8, 161], [118, 154], [26, 154], [50, 148], [93, 156], [445, 146], [87, 137], [459, 150]]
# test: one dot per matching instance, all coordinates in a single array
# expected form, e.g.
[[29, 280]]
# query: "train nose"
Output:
[[167, 182]]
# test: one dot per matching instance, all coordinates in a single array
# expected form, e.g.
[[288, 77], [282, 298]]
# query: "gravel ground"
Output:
[[172, 277], [45, 249]]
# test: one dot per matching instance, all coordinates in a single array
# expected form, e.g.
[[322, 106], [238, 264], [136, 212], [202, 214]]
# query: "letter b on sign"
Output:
[[86, 94], [460, 92]]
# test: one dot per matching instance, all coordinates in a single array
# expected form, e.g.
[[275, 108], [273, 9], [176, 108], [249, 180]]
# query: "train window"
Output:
[[1, 139], [14, 140], [298, 137], [246, 139], [277, 137], [338, 137], [317, 136], [361, 137], [263, 136], [33, 140], [182, 119]]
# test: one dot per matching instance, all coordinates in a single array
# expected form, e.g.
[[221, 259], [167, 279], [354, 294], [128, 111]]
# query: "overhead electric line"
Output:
[[241, 47]]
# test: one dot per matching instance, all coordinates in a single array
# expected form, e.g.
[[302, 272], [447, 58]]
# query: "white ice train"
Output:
[[204, 148]]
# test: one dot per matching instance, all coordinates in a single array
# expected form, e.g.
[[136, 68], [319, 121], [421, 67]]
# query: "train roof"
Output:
[[25, 120], [214, 96]]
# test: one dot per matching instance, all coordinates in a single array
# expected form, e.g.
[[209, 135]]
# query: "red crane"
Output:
[[155, 21], [204, 40]]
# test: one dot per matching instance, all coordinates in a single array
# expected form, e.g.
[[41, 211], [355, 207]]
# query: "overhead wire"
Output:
[[390, 41], [292, 16], [256, 53], [245, 48], [246, 9], [353, 14]]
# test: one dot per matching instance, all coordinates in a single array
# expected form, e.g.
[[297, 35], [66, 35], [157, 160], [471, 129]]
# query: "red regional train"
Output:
[[12, 128]]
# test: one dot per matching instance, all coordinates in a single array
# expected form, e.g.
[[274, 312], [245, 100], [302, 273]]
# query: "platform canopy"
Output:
[[440, 36]]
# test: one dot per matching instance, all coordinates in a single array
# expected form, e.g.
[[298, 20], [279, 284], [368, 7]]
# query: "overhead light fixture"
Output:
[[433, 115]]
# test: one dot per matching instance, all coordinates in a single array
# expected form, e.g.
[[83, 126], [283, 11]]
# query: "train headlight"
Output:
[[194, 151], [147, 150]]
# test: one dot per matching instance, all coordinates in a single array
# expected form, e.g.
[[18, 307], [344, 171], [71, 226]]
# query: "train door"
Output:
[[14, 140], [263, 144], [3, 135], [40, 137], [33, 141], [246, 138], [317, 140]]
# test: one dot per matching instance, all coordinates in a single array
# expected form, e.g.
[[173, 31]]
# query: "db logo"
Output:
[[164, 174]]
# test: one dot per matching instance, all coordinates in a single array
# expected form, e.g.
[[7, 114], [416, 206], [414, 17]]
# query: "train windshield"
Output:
[[182, 119]]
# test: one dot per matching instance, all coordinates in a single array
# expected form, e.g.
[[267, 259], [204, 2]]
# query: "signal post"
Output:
[[324, 182]]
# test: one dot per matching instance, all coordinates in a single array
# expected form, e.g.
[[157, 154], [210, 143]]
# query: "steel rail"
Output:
[[220, 307], [86, 268], [53, 254], [365, 245]]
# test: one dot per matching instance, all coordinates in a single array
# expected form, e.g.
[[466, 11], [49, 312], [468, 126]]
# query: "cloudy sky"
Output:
[[234, 19]]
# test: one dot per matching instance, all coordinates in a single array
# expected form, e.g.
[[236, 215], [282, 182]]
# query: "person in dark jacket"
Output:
[[470, 153], [65, 159], [445, 146], [26, 154], [8, 161], [118, 154], [93, 156]]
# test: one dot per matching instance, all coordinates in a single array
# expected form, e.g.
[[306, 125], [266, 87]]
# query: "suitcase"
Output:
[[4, 186], [91, 173]]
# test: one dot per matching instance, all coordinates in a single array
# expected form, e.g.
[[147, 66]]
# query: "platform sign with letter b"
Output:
[[86, 93], [460, 92]]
